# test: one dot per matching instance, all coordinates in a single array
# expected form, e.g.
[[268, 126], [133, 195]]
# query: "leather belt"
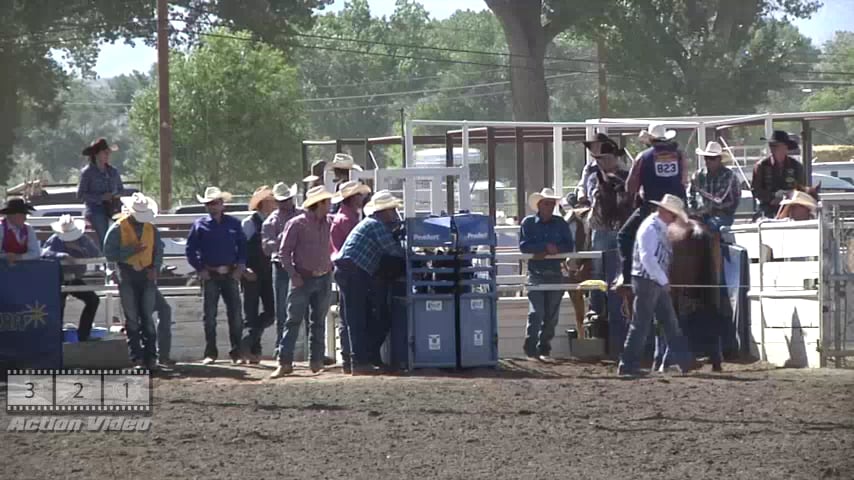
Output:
[[311, 273], [222, 269]]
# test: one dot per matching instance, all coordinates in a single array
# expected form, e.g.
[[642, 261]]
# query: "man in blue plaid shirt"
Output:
[[715, 190], [356, 270]]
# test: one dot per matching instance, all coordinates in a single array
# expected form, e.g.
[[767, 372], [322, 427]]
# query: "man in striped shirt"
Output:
[[356, 268], [650, 266]]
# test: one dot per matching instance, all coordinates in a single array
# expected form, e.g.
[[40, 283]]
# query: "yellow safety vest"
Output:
[[145, 258]]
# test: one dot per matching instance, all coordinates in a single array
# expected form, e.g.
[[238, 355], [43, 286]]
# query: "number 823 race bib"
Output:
[[666, 165]]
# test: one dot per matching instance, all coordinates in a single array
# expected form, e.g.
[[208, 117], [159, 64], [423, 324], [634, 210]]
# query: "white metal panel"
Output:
[[557, 163]]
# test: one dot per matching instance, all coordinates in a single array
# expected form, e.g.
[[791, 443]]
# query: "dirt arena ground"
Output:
[[526, 421]]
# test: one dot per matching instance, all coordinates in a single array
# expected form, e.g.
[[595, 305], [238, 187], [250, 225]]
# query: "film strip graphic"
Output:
[[79, 391]]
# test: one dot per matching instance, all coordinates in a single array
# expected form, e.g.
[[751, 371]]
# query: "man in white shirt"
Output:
[[650, 266]]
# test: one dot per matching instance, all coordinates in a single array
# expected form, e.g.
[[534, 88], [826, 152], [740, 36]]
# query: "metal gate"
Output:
[[837, 279]]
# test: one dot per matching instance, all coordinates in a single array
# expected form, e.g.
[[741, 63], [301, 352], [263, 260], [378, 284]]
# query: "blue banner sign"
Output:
[[473, 229], [30, 323], [428, 231]]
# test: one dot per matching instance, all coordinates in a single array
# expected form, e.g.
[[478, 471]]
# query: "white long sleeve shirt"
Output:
[[653, 251]]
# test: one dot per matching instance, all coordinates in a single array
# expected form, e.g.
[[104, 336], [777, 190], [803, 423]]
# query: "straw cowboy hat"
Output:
[[673, 204], [212, 194], [544, 194], [348, 189], [798, 198], [780, 136], [99, 145], [317, 169], [143, 208], [344, 161], [315, 195], [656, 132], [382, 200], [282, 192], [68, 229], [16, 205], [261, 193], [713, 149]]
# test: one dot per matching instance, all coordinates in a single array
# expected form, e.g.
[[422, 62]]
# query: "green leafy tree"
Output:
[[33, 79], [236, 120], [839, 57]]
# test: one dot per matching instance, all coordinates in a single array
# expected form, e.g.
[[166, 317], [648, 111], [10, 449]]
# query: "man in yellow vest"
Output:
[[134, 245]]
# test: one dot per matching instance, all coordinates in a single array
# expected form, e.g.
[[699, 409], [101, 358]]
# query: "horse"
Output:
[[612, 208]]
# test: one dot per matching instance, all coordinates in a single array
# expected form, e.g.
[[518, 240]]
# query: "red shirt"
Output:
[[305, 245], [11, 244], [342, 223]]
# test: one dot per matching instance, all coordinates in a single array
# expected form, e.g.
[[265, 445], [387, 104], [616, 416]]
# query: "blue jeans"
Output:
[[100, 221], [164, 325], [626, 238], [256, 321], [601, 240], [652, 301], [137, 293], [226, 286], [281, 287], [543, 315], [315, 293]]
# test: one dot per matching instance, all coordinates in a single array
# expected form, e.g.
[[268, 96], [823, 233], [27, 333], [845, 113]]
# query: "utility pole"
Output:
[[165, 117], [603, 78]]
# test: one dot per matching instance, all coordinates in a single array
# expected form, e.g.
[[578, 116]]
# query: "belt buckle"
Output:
[[318, 273], [222, 270]]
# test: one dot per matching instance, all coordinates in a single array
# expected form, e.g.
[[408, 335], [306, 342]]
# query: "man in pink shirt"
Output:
[[351, 196], [304, 254]]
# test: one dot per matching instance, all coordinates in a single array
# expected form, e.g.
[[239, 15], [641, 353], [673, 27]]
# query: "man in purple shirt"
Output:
[[216, 248], [271, 238], [304, 254]]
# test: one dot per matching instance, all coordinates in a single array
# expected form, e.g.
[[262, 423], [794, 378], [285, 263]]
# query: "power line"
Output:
[[428, 90]]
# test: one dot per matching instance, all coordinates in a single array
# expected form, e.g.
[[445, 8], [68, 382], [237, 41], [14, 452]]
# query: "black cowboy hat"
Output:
[[780, 136], [97, 146], [606, 145], [17, 205]]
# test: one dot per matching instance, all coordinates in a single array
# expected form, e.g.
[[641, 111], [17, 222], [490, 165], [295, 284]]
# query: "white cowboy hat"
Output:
[[143, 208], [68, 229], [672, 204], [282, 192], [656, 131], [315, 195], [348, 189], [213, 193], [713, 149], [382, 200], [261, 193], [345, 161], [800, 198], [544, 194], [310, 179]]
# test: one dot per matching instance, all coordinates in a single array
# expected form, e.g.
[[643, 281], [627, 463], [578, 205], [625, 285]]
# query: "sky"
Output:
[[119, 58]]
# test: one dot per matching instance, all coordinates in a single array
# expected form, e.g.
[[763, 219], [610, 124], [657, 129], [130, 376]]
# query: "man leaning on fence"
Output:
[[543, 234], [70, 241], [134, 244], [216, 249], [304, 254]]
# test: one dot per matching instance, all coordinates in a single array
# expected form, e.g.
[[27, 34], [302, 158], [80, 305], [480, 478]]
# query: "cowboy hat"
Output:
[[780, 136], [315, 195], [68, 229], [282, 192], [544, 194], [98, 146], [382, 200], [213, 193], [344, 161], [713, 149], [603, 145], [656, 132], [672, 204], [17, 205], [348, 189], [800, 198], [143, 208], [261, 193]]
